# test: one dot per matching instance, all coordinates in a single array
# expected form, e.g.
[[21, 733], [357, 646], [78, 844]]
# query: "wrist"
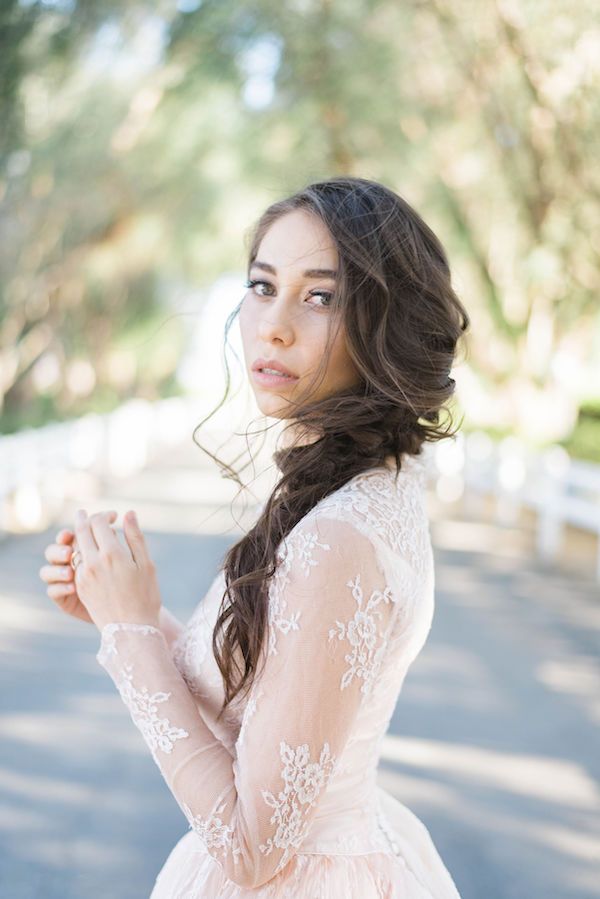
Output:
[[147, 620]]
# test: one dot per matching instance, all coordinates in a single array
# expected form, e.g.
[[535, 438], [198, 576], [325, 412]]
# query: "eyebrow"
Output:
[[309, 273]]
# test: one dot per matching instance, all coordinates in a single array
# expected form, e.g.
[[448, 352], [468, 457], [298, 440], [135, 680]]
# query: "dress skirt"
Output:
[[413, 869]]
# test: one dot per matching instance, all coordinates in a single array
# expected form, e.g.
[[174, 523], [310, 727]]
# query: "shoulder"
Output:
[[364, 545], [386, 506]]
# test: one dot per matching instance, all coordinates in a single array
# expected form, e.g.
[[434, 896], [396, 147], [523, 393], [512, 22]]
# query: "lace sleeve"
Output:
[[330, 614], [170, 626]]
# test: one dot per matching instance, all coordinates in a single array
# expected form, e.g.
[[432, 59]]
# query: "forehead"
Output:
[[298, 241]]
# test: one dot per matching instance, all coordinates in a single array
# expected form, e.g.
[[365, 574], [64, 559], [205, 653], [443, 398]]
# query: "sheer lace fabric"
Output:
[[280, 795]]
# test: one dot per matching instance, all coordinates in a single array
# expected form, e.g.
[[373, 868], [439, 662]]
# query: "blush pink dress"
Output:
[[280, 795]]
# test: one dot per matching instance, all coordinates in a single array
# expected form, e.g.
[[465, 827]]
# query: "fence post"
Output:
[[554, 465]]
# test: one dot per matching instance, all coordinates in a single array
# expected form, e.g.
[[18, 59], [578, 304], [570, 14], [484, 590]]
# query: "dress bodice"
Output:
[[381, 632]]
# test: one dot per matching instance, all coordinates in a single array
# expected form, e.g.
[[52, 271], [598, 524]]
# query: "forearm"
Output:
[[196, 766]]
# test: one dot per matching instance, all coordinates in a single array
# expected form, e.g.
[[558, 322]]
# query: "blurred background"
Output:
[[138, 144]]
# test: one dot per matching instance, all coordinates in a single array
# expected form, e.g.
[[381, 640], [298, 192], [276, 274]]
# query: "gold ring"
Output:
[[74, 564]]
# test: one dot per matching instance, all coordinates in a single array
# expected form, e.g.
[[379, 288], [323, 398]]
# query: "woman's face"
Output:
[[284, 317]]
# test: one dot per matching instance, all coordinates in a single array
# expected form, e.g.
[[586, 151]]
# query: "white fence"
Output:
[[558, 489], [37, 464]]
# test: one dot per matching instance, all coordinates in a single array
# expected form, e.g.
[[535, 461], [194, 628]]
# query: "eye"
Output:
[[327, 295], [254, 283]]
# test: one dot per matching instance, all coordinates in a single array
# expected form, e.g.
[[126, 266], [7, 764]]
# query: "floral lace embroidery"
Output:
[[394, 510], [189, 651], [159, 733], [248, 712], [395, 518], [361, 632], [108, 645], [286, 554], [303, 782], [193, 646], [307, 542], [348, 843], [211, 830]]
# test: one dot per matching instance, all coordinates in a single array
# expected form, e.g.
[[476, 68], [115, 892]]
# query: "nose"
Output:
[[275, 323]]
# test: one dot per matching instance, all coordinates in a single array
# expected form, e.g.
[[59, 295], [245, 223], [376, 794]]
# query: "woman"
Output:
[[266, 711]]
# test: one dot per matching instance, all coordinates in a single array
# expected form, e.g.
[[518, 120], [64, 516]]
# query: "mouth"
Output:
[[271, 378], [272, 372]]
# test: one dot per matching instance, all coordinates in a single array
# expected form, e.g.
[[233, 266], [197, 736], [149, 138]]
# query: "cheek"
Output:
[[341, 369], [244, 320], [314, 333]]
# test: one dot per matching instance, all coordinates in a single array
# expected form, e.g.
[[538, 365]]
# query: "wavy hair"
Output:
[[402, 321]]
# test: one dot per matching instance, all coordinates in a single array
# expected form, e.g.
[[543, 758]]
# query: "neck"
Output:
[[295, 435]]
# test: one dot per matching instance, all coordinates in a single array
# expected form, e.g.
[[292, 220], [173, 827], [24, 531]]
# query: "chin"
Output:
[[272, 406]]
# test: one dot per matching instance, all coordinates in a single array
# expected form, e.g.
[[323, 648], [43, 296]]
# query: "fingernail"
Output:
[[132, 518]]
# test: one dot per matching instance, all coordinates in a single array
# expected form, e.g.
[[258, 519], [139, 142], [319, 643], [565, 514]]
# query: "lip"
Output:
[[272, 363], [268, 380]]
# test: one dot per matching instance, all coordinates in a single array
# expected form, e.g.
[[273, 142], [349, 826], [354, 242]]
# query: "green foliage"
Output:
[[584, 441], [139, 144]]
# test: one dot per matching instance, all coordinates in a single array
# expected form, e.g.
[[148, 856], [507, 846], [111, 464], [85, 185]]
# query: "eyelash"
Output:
[[325, 293]]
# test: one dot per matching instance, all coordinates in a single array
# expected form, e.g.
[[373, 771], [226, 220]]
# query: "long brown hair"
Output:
[[402, 321]]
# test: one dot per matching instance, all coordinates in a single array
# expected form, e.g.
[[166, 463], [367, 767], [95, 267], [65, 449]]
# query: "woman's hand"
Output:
[[60, 575], [115, 582]]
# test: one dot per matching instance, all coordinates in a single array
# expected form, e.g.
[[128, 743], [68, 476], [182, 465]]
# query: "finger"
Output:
[[56, 573], [67, 536], [54, 552], [136, 540], [104, 535], [57, 591], [85, 537]]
